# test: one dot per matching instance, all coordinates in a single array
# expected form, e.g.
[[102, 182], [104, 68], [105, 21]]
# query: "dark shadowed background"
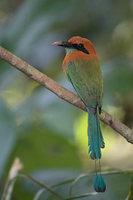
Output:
[[46, 133]]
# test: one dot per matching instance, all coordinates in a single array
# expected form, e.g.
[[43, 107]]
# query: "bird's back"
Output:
[[86, 77]]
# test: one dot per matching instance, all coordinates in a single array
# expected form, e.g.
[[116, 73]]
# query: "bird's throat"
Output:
[[69, 50]]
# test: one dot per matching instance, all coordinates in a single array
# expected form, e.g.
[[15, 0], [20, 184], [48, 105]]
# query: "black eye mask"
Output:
[[69, 45], [80, 47]]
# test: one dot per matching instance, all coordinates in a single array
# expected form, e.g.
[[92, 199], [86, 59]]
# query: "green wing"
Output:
[[86, 78]]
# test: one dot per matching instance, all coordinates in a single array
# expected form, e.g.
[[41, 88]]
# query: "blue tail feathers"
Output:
[[95, 137], [99, 183], [95, 143]]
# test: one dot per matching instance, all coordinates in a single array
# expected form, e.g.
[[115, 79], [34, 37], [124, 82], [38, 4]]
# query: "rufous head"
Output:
[[77, 44], [77, 48]]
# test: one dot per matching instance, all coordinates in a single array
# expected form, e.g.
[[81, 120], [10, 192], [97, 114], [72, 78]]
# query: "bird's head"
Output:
[[78, 45], [77, 48]]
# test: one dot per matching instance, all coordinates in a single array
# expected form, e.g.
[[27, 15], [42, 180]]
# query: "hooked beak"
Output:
[[63, 44]]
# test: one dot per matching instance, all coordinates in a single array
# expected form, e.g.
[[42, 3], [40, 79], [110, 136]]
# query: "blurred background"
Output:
[[46, 133]]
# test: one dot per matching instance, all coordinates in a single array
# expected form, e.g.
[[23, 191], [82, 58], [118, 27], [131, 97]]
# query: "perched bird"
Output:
[[82, 67]]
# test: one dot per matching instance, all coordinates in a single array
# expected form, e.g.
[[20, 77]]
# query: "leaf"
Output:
[[39, 147], [8, 134]]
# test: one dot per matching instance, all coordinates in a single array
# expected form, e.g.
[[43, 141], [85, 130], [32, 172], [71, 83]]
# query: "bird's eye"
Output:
[[80, 45]]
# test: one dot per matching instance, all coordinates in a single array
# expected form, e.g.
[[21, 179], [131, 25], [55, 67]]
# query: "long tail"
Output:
[[96, 142]]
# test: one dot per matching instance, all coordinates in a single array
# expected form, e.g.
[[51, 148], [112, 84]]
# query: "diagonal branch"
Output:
[[63, 93]]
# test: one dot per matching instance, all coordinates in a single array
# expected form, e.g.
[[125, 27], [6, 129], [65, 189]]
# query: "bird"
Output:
[[82, 67]]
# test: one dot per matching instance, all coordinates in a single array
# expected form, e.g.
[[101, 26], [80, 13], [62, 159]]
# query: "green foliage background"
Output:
[[46, 133]]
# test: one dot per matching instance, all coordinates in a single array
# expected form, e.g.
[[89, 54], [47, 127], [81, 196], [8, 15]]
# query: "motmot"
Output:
[[82, 67]]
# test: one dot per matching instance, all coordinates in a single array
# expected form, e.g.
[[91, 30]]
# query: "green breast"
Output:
[[86, 78]]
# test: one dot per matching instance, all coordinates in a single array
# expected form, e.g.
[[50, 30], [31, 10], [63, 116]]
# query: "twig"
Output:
[[50, 189], [63, 93], [43, 186]]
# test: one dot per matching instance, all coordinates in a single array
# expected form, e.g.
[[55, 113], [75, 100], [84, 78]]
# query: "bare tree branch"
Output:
[[63, 93]]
